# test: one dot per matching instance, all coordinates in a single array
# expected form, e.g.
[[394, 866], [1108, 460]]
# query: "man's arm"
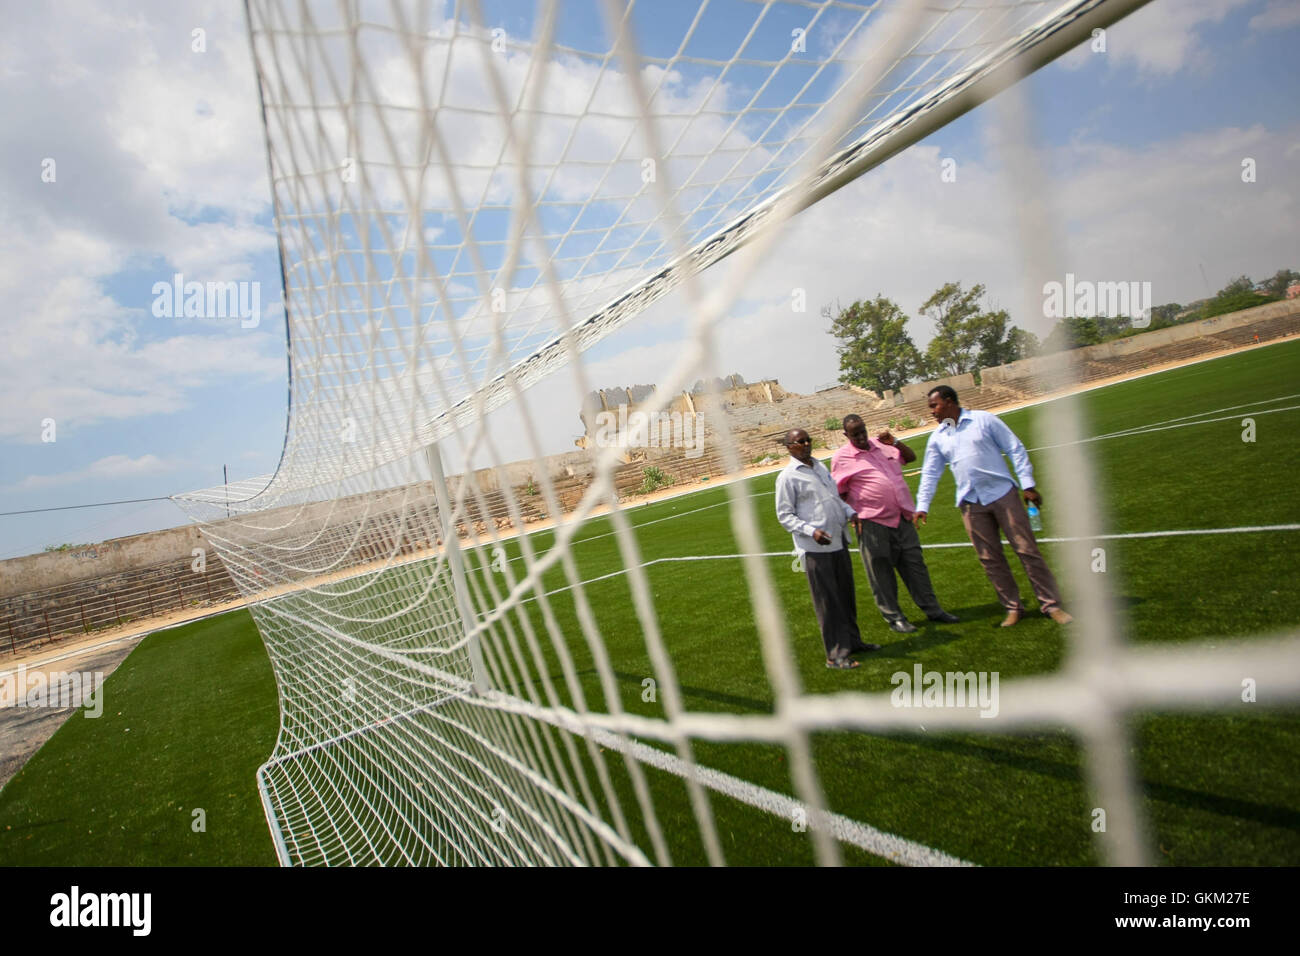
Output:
[[931, 471], [841, 474], [786, 503], [1013, 448], [885, 436]]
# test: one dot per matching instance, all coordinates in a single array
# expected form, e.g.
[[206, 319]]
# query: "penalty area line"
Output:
[[1173, 533], [845, 829]]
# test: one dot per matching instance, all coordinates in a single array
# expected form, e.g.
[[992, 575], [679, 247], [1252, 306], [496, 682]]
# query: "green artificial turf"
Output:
[[1218, 789], [187, 719]]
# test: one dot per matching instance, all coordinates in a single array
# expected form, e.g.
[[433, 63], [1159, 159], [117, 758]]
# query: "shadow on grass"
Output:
[[700, 693], [1184, 797]]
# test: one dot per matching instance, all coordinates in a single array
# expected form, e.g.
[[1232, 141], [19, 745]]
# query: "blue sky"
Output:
[[161, 169]]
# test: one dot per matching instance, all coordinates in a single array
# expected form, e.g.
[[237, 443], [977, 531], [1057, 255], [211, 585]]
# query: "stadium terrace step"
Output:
[[35, 618]]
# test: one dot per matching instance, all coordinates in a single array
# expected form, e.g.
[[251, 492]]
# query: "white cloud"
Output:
[[104, 469], [158, 157], [1156, 212], [1160, 39], [1278, 15]]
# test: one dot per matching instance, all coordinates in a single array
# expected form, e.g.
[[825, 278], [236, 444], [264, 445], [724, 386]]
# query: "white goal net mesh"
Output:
[[468, 196]]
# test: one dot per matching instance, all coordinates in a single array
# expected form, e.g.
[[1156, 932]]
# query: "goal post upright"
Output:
[[456, 562]]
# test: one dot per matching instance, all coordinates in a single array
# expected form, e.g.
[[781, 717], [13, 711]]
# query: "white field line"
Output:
[[1290, 339], [1213, 411], [1165, 425], [885, 845], [845, 829], [1174, 533], [1137, 430], [491, 545], [1165, 428]]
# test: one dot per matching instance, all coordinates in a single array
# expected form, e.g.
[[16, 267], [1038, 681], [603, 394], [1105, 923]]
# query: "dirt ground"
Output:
[[24, 729]]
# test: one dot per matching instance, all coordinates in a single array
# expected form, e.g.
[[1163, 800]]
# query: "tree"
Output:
[[1021, 343], [875, 350], [967, 337], [1165, 315], [955, 314], [1071, 333], [1112, 326], [1237, 285], [1226, 302], [1277, 285], [999, 341]]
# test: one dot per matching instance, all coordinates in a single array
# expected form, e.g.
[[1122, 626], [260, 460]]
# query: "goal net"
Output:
[[468, 196]]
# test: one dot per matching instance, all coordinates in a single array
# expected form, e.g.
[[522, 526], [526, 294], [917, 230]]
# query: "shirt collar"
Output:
[[965, 416]]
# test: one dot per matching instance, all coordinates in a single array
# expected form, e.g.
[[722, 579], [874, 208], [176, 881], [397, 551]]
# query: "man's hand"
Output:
[[821, 537], [1034, 496], [885, 436], [918, 518], [857, 525]]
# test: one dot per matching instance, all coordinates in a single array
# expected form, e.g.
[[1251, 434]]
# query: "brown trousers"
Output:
[[1008, 514]]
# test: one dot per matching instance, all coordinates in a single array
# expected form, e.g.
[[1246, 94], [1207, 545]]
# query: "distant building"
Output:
[[1293, 290]]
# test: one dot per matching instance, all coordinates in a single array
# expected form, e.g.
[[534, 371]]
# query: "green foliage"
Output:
[[1163, 316], [875, 350], [530, 488], [1074, 333], [834, 424], [1226, 302], [68, 547], [902, 424], [992, 339], [652, 479], [957, 327], [968, 337], [877, 353], [1236, 286], [1276, 286], [1021, 344]]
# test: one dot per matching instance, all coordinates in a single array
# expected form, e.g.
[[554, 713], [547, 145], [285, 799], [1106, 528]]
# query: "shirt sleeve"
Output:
[[786, 503], [1013, 448], [931, 471], [840, 473]]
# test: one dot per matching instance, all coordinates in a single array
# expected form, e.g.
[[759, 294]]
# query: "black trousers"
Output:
[[830, 579], [885, 550]]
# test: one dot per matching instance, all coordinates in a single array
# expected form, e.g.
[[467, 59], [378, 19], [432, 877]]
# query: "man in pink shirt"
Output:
[[869, 475]]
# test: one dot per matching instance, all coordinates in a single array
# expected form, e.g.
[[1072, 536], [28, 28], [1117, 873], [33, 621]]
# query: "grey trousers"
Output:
[[830, 579], [885, 550]]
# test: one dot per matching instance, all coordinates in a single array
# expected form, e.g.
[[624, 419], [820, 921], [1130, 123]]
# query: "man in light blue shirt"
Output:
[[973, 444], [809, 506]]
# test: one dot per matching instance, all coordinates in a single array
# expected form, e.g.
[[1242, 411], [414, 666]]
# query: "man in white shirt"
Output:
[[972, 443], [808, 505]]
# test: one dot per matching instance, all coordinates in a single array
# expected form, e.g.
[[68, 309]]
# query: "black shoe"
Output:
[[861, 648], [943, 617], [902, 626]]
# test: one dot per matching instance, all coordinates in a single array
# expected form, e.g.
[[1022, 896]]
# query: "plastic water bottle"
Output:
[[1035, 517]]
